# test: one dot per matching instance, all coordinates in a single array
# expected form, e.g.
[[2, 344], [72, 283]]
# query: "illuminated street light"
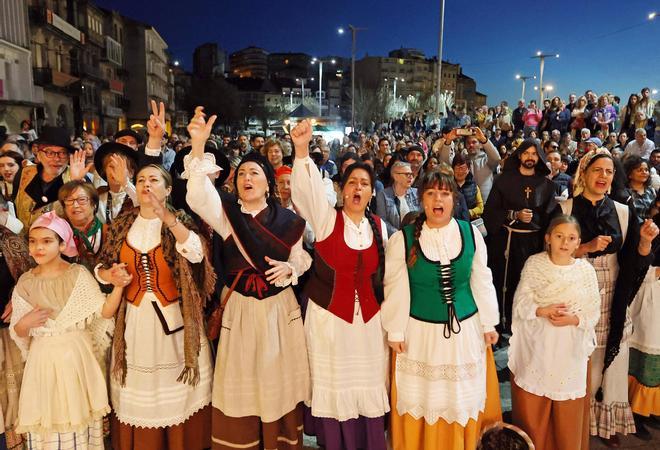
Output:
[[340, 30], [652, 15], [524, 79], [541, 56], [320, 61]]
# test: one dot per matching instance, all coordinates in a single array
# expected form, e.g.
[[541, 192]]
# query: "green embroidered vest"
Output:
[[440, 293]]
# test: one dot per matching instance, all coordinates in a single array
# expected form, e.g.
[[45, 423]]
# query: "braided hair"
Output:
[[377, 280], [412, 255], [432, 180]]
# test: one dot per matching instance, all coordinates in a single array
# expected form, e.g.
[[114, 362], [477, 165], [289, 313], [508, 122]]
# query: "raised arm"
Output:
[[155, 128], [202, 197], [307, 189]]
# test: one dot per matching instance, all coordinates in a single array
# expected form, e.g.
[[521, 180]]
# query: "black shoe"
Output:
[[642, 432], [612, 442], [653, 422]]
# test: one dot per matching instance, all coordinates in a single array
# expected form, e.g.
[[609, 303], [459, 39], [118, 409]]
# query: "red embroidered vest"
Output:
[[340, 271]]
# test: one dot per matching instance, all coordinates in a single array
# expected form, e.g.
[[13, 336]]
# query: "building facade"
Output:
[[209, 61], [56, 44], [414, 75], [250, 62], [18, 95], [114, 103], [150, 78]]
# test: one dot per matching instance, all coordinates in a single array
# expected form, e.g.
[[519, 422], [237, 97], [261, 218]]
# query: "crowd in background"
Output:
[[172, 220]]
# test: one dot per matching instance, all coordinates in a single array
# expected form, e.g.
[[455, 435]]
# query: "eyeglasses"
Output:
[[51, 155], [407, 174], [82, 201], [554, 146]]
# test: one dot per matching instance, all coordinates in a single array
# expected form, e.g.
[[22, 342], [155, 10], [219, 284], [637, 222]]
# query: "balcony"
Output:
[[113, 51], [116, 86], [43, 16], [47, 77]]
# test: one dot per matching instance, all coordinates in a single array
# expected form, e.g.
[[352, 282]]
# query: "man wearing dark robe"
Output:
[[516, 215]]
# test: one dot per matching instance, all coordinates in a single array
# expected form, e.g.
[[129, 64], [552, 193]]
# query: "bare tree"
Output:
[[218, 97]]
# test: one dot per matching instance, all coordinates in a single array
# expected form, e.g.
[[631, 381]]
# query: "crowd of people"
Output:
[[207, 290]]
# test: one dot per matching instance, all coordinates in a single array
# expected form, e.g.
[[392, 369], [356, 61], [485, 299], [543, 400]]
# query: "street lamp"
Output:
[[541, 56], [652, 15], [354, 31], [302, 82], [524, 79], [548, 88], [440, 35], [320, 61]]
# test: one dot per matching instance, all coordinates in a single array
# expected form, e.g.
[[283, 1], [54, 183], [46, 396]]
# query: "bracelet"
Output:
[[176, 222]]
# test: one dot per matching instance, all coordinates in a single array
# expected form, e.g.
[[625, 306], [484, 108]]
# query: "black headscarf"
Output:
[[265, 166]]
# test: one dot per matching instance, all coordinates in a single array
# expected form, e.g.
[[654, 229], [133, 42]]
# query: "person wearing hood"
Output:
[[516, 215]]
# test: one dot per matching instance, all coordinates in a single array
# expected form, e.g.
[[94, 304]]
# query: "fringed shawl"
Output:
[[15, 250], [195, 283]]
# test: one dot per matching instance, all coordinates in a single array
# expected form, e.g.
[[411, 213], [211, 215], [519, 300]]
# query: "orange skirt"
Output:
[[407, 433], [644, 400]]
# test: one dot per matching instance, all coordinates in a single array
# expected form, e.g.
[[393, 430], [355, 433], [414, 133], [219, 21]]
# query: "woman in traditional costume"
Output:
[[440, 313], [620, 250], [161, 369], [345, 339], [262, 374]]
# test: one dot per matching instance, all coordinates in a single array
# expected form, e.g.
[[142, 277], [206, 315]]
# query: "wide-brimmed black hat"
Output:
[[55, 136], [110, 148], [128, 132], [220, 160]]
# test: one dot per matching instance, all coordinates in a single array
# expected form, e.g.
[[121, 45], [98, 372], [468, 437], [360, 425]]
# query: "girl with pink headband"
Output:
[[60, 322]]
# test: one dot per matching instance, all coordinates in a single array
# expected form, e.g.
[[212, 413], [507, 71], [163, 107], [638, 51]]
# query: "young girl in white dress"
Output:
[[60, 324], [555, 310]]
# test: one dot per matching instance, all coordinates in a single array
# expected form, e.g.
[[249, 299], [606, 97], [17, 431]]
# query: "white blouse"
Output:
[[204, 200], [308, 194], [438, 244]]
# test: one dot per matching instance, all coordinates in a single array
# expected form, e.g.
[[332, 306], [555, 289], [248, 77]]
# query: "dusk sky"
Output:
[[604, 45]]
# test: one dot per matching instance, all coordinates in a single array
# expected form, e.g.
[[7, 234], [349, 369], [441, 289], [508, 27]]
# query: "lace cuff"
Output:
[[97, 276], [191, 249], [396, 336], [196, 166], [291, 280]]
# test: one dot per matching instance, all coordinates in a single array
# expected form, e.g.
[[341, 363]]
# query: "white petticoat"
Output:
[[349, 365], [440, 378]]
